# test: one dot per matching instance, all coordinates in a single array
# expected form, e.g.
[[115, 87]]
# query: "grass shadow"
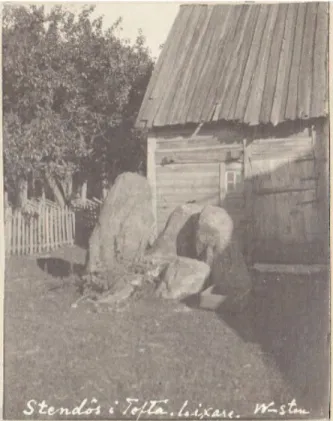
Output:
[[59, 268], [288, 315]]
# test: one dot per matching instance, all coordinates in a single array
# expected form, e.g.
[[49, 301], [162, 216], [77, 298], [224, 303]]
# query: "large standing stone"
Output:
[[183, 277], [178, 236], [124, 226], [214, 231], [217, 246]]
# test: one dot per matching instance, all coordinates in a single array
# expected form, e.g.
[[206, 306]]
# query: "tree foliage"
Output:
[[71, 92]]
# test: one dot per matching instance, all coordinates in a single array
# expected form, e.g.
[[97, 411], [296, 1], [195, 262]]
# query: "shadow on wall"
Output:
[[287, 207]]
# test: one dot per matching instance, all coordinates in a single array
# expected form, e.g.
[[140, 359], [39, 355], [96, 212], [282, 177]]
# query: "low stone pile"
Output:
[[196, 249]]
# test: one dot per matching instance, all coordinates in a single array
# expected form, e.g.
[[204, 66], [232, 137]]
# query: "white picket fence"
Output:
[[39, 227]]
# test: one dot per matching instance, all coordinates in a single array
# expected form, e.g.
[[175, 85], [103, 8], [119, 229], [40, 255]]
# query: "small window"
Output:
[[234, 181], [230, 176]]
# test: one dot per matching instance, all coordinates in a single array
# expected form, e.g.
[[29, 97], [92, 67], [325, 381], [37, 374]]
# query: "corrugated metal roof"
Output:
[[258, 63]]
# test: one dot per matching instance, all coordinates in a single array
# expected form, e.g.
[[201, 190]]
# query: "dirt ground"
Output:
[[153, 349]]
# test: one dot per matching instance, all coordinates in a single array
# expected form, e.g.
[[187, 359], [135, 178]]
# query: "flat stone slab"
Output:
[[208, 300]]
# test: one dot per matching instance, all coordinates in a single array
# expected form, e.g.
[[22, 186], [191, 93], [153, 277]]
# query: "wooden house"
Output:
[[237, 116]]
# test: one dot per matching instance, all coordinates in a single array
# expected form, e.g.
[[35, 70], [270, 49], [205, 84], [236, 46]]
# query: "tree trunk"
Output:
[[67, 186], [22, 195], [70, 186], [104, 192], [104, 188], [84, 191], [59, 198]]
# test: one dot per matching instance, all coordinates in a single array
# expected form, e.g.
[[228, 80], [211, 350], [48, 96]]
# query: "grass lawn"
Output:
[[154, 349]]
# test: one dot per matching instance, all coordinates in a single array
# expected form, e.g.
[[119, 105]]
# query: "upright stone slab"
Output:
[[124, 226]]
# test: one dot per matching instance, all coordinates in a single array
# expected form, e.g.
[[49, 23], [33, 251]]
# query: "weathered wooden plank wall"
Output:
[[187, 169], [320, 137], [178, 184], [285, 220], [196, 154], [277, 214]]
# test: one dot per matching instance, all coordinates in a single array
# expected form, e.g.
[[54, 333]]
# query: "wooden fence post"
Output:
[[39, 230], [54, 227], [44, 225], [69, 222], [53, 232], [58, 224], [47, 237], [16, 232], [73, 228], [19, 232], [31, 229], [8, 225], [65, 225], [35, 238], [13, 233], [63, 219], [69, 212]]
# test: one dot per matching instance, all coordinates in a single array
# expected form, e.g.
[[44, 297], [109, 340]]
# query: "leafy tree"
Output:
[[71, 93]]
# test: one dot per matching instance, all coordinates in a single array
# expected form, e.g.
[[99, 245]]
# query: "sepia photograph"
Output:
[[166, 210]]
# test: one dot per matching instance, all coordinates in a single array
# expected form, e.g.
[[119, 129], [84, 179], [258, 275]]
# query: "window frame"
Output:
[[237, 187]]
